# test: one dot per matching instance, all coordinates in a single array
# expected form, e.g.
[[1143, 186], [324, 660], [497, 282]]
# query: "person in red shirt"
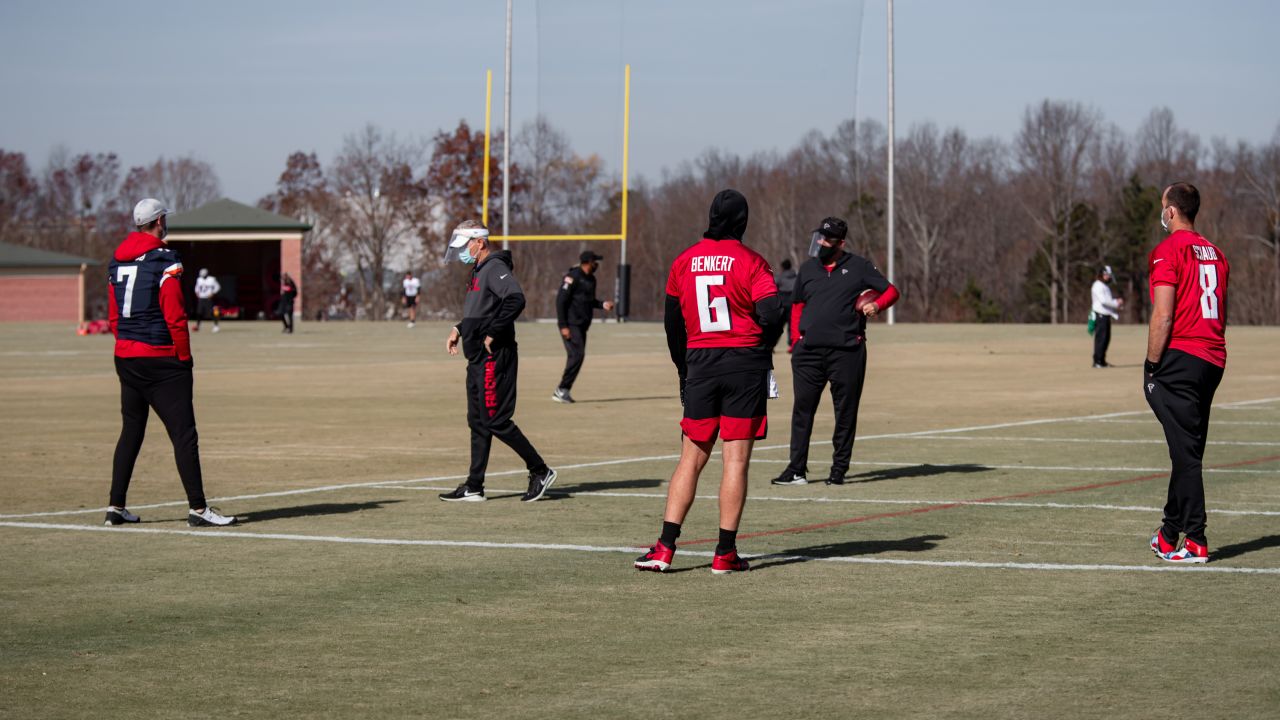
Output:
[[153, 361], [1186, 356], [720, 296]]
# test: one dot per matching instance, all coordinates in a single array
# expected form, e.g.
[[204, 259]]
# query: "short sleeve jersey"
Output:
[[135, 289], [718, 283], [411, 286], [1197, 270]]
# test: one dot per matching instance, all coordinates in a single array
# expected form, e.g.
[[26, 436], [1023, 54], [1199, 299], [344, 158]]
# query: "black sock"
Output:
[[670, 531], [728, 541]]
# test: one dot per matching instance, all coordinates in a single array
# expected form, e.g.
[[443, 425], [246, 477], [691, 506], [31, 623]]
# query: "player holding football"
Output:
[[720, 294], [1186, 356], [828, 340], [153, 361]]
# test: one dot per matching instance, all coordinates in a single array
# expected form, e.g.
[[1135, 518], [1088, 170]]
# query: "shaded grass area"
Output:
[[252, 626]]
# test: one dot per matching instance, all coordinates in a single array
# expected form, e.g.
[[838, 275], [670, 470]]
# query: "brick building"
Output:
[[41, 286]]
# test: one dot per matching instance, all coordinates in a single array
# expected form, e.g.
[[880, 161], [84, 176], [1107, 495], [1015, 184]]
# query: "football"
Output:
[[866, 298]]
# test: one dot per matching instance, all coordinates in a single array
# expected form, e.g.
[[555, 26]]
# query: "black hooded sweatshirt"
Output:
[[494, 301]]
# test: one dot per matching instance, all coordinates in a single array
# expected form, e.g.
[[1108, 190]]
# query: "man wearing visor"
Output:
[[487, 336], [835, 292]]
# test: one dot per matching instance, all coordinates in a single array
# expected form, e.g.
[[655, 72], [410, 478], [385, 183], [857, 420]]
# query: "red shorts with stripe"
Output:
[[731, 405]]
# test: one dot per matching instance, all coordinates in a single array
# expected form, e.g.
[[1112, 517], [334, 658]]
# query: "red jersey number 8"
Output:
[[713, 313], [1208, 296]]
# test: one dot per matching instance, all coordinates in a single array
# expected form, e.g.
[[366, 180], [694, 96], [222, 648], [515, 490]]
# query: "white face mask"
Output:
[[1164, 223]]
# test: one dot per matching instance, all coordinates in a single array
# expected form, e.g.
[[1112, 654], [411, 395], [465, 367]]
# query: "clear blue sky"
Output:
[[242, 84]]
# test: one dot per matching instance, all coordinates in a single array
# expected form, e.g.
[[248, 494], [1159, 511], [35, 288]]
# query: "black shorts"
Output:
[[410, 300], [732, 405]]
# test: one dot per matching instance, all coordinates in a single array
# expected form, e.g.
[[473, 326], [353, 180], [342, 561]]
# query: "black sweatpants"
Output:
[[1180, 394], [286, 315], [1101, 338], [491, 401], [164, 384], [812, 369], [576, 346]]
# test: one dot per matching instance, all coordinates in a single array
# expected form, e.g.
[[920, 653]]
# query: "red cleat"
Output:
[[658, 559], [1159, 545], [1190, 552], [729, 563]]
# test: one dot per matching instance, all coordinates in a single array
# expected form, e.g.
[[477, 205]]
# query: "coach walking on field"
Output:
[[1186, 356], [487, 335], [153, 361], [828, 337], [576, 303]]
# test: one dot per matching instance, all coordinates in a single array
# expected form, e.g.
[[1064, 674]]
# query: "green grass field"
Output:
[[351, 591]]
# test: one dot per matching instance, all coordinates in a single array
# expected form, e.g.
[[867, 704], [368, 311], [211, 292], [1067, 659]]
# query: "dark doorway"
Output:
[[247, 270]]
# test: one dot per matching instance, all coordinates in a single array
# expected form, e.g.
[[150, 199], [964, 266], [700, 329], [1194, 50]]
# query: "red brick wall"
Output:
[[39, 298]]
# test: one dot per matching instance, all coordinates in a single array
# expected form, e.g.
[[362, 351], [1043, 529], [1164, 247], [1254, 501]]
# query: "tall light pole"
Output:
[[506, 136], [891, 143]]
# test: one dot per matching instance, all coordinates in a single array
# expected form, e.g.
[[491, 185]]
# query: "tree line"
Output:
[[988, 230]]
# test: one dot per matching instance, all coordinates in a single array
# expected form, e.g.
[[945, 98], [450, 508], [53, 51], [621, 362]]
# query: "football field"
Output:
[[987, 557]]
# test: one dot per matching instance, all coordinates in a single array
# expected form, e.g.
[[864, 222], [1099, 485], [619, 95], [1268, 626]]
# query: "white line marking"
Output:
[[1108, 441], [624, 549], [855, 501], [1214, 423], [1063, 468], [1242, 403], [603, 463]]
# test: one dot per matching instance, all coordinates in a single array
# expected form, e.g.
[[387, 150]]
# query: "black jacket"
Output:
[[576, 299], [828, 318], [494, 301]]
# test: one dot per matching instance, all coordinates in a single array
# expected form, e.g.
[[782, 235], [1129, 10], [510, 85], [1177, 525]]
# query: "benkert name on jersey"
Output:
[[711, 263]]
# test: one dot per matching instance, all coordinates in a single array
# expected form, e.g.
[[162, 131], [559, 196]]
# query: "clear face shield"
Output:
[[460, 242], [821, 246]]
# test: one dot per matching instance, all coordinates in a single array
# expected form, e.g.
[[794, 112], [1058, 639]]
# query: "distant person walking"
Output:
[[288, 293], [487, 336], [1106, 308], [576, 304], [411, 287], [207, 288], [1186, 356], [153, 361]]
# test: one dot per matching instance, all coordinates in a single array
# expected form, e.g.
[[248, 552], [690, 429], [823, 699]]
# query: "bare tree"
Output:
[[183, 183], [1053, 150], [1165, 154], [1260, 171]]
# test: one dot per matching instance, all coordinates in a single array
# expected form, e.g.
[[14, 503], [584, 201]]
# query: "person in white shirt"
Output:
[[206, 288], [411, 287], [1106, 307]]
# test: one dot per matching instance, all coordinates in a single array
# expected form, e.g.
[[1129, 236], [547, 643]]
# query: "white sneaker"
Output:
[[773, 387], [120, 516], [410, 325], [215, 328], [209, 518]]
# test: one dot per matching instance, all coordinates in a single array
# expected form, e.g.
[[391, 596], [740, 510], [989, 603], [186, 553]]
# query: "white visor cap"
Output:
[[147, 211], [462, 236]]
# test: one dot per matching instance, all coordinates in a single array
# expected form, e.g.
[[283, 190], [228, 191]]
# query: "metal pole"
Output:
[[891, 143], [506, 136]]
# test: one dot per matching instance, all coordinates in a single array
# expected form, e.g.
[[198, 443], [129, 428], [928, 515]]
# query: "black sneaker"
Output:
[[120, 516], [836, 479], [562, 395], [462, 493], [539, 483], [789, 478]]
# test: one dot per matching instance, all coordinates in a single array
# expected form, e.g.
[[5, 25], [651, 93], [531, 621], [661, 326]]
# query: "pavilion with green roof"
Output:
[[246, 248]]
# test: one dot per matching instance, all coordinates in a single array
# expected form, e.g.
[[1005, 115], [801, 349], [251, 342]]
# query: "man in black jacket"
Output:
[[828, 339], [575, 304], [487, 335]]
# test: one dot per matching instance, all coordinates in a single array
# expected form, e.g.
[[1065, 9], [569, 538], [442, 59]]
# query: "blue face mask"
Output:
[[465, 256]]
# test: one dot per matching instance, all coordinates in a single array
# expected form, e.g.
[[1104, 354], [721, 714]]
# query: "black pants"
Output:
[[576, 346], [204, 311], [1101, 338], [812, 369], [286, 315], [773, 332], [164, 384], [1180, 394], [491, 401]]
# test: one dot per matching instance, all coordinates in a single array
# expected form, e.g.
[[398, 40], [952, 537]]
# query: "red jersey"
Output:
[[1197, 271], [718, 283]]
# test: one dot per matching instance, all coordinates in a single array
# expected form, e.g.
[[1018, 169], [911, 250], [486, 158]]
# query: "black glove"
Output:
[[1150, 367]]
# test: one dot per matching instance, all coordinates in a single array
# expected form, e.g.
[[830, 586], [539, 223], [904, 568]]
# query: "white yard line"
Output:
[[1214, 423], [852, 501], [780, 557], [1049, 468], [603, 463], [1106, 441]]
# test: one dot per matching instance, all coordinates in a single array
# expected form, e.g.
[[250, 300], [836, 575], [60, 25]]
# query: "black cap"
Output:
[[834, 227], [588, 256]]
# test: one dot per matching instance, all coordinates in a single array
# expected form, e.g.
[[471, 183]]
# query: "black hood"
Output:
[[502, 256], [728, 216]]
